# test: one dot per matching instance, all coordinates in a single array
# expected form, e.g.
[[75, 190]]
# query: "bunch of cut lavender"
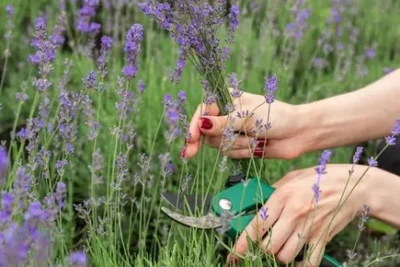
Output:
[[194, 25]]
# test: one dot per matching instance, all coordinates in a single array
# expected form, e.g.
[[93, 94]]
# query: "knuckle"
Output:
[[299, 209], [284, 191]]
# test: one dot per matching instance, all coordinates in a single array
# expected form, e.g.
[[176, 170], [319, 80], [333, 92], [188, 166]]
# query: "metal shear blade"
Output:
[[194, 203], [209, 221]]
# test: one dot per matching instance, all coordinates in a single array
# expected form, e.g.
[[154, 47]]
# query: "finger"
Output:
[[241, 142], [217, 125], [278, 235], [258, 226], [202, 109], [193, 143], [293, 246], [282, 149]]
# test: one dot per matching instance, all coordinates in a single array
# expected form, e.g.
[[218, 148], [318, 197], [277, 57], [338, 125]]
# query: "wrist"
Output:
[[309, 128]]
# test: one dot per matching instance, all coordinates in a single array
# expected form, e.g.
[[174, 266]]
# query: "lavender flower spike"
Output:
[[234, 17], [320, 169], [391, 139], [357, 155], [3, 165], [77, 259], [132, 49], [270, 88]]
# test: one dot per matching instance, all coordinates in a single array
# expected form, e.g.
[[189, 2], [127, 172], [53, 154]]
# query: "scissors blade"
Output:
[[209, 221], [196, 203]]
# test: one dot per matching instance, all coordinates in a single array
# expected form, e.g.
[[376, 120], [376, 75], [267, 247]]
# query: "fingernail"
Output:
[[183, 151], [261, 144], [258, 152], [206, 123]]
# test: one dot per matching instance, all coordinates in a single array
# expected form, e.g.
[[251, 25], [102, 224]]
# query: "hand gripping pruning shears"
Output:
[[240, 197]]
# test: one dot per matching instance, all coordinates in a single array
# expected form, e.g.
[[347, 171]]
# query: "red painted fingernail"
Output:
[[183, 151], [261, 144], [206, 123], [258, 152]]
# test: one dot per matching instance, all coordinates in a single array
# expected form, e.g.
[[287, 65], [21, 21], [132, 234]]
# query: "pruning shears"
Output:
[[239, 198]]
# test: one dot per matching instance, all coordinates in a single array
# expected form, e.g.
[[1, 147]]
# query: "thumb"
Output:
[[215, 125]]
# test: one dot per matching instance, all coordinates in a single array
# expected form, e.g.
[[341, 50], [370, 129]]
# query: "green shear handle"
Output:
[[244, 197]]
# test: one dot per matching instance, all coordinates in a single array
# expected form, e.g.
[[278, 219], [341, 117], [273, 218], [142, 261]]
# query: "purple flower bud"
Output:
[[106, 42], [132, 48], [141, 86], [391, 139], [234, 16], [387, 70], [40, 24], [10, 10], [77, 259], [90, 80], [372, 162], [3, 165], [357, 154], [320, 169], [264, 213], [129, 71], [234, 84], [182, 96], [396, 128], [94, 27], [270, 88], [370, 53]]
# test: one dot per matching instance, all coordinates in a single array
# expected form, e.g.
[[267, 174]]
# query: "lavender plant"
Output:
[[194, 25]]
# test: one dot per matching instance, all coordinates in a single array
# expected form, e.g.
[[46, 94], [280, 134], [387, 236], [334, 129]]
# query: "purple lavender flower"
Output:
[[3, 165], [132, 49], [166, 166], [387, 70], [296, 29], [174, 115], [234, 17], [141, 86], [364, 216], [234, 84], [357, 154], [77, 259], [86, 13], [45, 52], [106, 46], [124, 107], [90, 80], [370, 53], [182, 96], [22, 184], [270, 88], [10, 10], [106, 43], [7, 203], [193, 25], [264, 213], [391, 139], [372, 162], [320, 169]]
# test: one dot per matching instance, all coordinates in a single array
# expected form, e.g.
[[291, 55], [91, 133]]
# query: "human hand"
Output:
[[292, 212], [284, 137]]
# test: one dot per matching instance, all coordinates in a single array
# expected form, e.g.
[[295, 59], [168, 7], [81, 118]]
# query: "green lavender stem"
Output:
[[216, 81]]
